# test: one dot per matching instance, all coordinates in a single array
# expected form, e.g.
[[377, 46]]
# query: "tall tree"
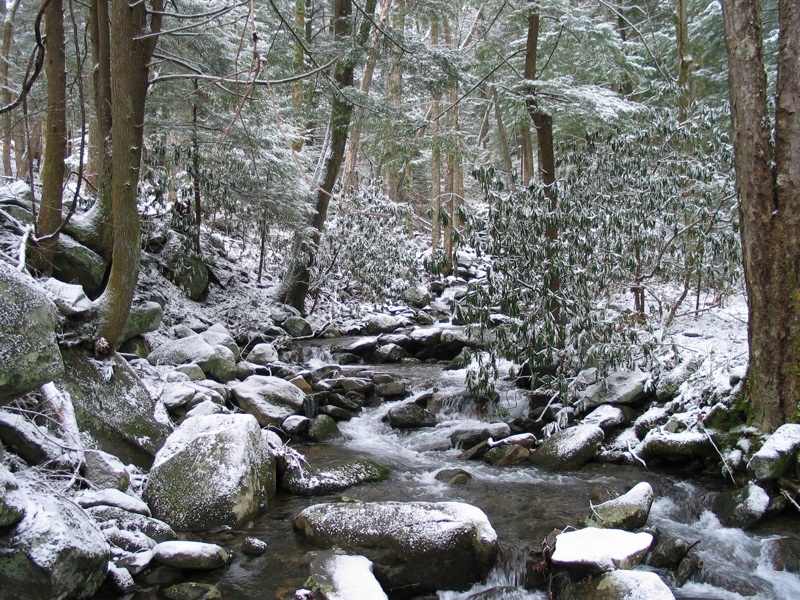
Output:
[[768, 184], [8, 120]]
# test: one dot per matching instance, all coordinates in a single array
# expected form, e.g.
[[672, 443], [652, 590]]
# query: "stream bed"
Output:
[[523, 503]]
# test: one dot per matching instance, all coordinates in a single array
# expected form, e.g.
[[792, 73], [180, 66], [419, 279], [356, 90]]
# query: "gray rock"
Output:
[[12, 499], [206, 407], [112, 404], [471, 436], [622, 387], [263, 354], [569, 449], [677, 446], [55, 551], [254, 546], [776, 455], [606, 417], [741, 508], [296, 425], [179, 262], [783, 554], [190, 555], [30, 443], [669, 553], [120, 580], [417, 296], [343, 577], [175, 395], [504, 456], [223, 368], [269, 399], [453, 476], [213, 471], [425, 336], [382, 324], [360, 347], [619, 585], [628, 512], [136, 563], [192, 371], [409, 416], [129, 541], [594, 550], [323, 428], [111, 516], [297, 327], [70, 298], [29, 355], [144, 317], [389, 353], [217, 335], [307, 482], [75, 263], [281, 312], [112, 497], [190, 349], [424, 546]]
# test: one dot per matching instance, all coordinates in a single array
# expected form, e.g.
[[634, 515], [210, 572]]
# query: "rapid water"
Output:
[[523, 504]]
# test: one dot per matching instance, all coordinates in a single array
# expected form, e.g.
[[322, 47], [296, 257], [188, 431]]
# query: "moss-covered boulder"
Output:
[[112, 404], [29, 355], [144, 317], [628, 512], [179, 262], [313, 482], [568, 449], [777, 454], [75, 263], [323, 428], [55, 552], [619, 585], [214, 471], [269, 399], [417, 547]]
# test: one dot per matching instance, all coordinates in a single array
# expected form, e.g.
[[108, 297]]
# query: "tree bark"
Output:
[[436, 157], [395, 168], [8, 118], [295, 285], [55, 131], [684, 60], [768, 184]]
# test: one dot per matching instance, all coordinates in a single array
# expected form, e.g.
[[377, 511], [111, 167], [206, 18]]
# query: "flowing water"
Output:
[[523, 504]]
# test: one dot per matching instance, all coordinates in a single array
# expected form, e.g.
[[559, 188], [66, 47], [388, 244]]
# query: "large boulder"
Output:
[[55, 552], [75, 263], [594, 550], [677, 446], [569, 449], [307, 482], [336, 576], [621, 387], [190, 349], [297, 327], [32, 443], [143, 318], [775, 456], [190, 555], [112, 404], [70, 298], [619, 585], [743, 507], [179, 262], [409, 415], [213, 471], [417, 547], [29, 354], [629, 511], [269, 399], [12, 499], [382, 323]]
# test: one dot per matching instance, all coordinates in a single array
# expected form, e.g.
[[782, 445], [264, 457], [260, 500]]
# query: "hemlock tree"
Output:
[[768, 184]]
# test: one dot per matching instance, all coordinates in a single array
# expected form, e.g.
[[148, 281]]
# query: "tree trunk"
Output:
[[395, 167], [768, 184], [684, 60], [436, 158], [130, 59], [502, 138], [55, 131], [8, 117], [294, 288]]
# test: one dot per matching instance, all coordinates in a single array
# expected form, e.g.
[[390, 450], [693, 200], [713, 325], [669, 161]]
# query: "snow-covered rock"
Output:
[[223, 367], [269, 399], [190, 555], [569, 449], [606, 416], [31, 443], [55, 551], [297, 326], [75, 263], [388, 353], [111, 497], [344, 577], [263, 354], [621, 387], [70, 298], [417, 296], [619, 585], [175, 395], [104, 470], [190, 349], [668, 384], [470, 434], [212, 471], [683, 445], [429, 545], [12, 499], [425, 336], [308, 482], [742, 508], [594, 550], [381, 323], [112, 404], [29, 355], [217, 335], [628, 512], [775, 456], [112, 517]]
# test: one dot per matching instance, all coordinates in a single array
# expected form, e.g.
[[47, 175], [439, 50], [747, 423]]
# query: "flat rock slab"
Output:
[[344, 576], [569, 449], [594, 550], [628, 512], [112, 497], [417, 546], [775, 456], [680, 446], [619, 585], [190, 555], [332, 479]]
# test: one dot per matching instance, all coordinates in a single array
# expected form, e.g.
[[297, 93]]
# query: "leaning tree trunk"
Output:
[[55, 132], [130, 58], [294, 288], [768, 184]]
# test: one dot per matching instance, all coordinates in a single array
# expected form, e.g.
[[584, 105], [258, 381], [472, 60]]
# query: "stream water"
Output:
[[524, 505]]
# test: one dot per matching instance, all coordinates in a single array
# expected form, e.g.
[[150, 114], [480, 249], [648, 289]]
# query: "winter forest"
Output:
[[400, 299]]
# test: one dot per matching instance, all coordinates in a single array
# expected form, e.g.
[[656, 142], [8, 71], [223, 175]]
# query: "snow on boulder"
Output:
[[111, 497], [297, 327], [606, 417], [425, 336], [343, 577], [569, 449], [55, 551], [12, 499], [76, 263], [418, 547], [190, 555], [213, 471], [269, 399], [775, 456], [217, 335], [629, 511], [223, 368], [619, 585], [382, 324], [29, 354], [143, 318], [741, 508], [70, 298], [594, 550], [306, 482], [190, 349], [621, 387], [263, 354], [681, 446], [108, 517]]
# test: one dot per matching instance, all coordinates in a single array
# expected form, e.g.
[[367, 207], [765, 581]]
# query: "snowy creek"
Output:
[[523, 503]]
